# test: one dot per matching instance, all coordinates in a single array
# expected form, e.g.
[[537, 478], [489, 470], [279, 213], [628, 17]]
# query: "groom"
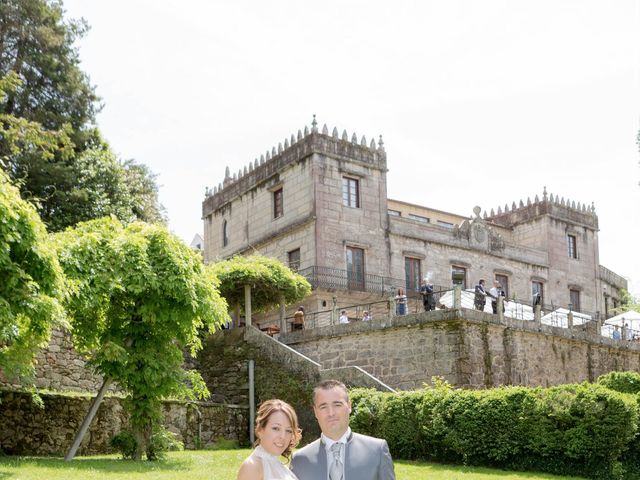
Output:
[[340, 454]]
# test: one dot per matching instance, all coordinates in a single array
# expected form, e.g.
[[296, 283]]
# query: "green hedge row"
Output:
[[583, 429]]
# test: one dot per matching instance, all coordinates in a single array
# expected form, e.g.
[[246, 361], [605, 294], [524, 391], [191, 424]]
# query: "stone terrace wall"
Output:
[[280, 372], [469, 349], [60, 367], [27, 429]]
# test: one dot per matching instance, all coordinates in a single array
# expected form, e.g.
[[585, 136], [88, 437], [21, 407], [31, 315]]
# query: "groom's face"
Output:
[[332, 408]]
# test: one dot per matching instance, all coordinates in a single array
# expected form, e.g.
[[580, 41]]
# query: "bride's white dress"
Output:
[[273, 468]]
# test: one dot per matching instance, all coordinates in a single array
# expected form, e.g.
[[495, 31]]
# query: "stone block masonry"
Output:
[[30, 430], [469, 349]]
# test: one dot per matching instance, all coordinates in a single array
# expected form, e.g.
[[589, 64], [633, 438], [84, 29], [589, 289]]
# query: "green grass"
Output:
[[211, 465]]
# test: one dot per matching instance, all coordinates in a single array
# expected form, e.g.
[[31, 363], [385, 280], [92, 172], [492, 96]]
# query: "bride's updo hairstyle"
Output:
[[267, 408]]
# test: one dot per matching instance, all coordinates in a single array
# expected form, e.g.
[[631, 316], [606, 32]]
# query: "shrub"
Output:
[[366, 410], [400, 426], [625, 382], [579, 429], [163, 441], [125, 444]]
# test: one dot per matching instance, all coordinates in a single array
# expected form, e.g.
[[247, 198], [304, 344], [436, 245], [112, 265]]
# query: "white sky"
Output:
[[479, 103]]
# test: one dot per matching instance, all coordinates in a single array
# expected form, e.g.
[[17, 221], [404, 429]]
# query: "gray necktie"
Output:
[[335, 471]]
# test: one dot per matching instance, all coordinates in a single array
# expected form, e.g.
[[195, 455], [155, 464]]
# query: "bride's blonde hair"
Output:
[[269, 407]]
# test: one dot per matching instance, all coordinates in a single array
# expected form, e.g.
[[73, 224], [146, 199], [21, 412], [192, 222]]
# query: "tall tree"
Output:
[[31, 283], [44, 85], [140, 296], [37, 43]]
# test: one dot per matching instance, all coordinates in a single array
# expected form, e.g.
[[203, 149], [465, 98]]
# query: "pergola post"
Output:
[[283, 315], [457, 296], [247, 305]]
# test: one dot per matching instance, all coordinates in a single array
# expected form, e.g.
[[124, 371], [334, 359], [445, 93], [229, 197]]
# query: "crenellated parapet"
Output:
[[548, 204], [307, 142]]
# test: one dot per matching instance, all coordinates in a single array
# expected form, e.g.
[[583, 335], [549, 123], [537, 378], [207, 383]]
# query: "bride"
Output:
[[277, 431]]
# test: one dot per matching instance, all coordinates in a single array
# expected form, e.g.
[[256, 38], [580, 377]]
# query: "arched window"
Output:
[[225, 234]]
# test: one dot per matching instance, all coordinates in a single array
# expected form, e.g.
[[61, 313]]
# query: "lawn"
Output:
[[210, 465]]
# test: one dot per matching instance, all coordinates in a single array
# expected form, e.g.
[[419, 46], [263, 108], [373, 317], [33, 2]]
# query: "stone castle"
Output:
[[318, 202]]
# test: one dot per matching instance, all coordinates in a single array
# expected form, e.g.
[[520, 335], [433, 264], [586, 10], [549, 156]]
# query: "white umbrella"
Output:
[[631, 317]]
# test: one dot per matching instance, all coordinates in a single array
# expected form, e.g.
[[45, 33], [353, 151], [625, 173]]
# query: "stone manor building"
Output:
[[318, 202]]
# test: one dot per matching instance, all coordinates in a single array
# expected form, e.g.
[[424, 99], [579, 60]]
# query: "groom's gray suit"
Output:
[[366, 458]]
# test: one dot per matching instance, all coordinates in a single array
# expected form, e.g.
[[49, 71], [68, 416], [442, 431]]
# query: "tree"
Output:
[[269, 279], [95, 184], [31, 284], [627, 302], [38, 45], [140, 296], [69, 186], [79, 178]]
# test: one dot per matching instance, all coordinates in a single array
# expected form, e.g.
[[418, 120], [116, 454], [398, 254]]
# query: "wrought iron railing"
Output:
[[334, 278]]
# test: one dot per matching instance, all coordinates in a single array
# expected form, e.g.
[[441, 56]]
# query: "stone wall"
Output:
[[59, 367], [280, 372], [468, 348], [28, 429]]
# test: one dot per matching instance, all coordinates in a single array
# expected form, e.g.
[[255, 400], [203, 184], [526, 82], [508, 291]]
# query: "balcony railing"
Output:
[[334, 278]]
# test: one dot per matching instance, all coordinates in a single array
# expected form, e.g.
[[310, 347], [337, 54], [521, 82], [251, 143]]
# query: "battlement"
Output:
[[556, 206], [292, 150]]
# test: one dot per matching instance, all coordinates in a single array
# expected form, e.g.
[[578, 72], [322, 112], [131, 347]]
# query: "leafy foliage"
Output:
[[38, 45], [580, 429], [125, 444], [49, 145], [95, 184], [625, 382], [31, 284], [140, 296], [69, 186], [627, 302], [269, 279]]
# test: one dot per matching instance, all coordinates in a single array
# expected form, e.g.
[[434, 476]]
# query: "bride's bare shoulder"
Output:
[[251, 469]]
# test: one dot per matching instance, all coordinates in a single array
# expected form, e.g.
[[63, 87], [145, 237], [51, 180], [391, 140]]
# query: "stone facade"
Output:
[[28, 429], [334, 202], [469, 349]]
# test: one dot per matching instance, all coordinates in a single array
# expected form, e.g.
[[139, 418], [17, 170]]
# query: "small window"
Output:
[[350, 192], [395, 213], [412, 274], [503, 280], [445, 224], [537, 293], [225, 233], [293, 258], [278, 209], [574, 300], [418, 218], [571, 245], [459, 276]]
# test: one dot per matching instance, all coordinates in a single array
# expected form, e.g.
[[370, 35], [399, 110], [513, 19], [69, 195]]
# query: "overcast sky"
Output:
[[479, 103]]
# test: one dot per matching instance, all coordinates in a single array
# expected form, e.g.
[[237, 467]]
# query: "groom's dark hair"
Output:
[[328, 385]]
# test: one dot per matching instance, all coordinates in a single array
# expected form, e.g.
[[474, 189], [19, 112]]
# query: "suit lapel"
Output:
[[348, 473], [322, 455]]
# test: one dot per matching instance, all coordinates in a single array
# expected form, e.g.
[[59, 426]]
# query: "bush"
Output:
[[366, 411], [625, 382], [163, 441], [125, 444], [579, 429]]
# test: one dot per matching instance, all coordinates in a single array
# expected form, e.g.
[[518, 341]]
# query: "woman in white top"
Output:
[[277, 434]]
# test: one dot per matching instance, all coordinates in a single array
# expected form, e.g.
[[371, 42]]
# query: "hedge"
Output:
[[579, 429]]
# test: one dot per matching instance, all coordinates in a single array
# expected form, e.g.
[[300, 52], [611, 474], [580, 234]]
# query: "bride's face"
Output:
[[277, 434]]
